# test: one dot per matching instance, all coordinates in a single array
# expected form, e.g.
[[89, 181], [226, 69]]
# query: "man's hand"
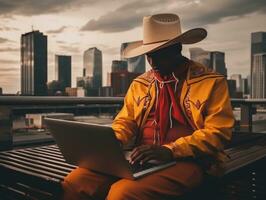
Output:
[[145, 153]]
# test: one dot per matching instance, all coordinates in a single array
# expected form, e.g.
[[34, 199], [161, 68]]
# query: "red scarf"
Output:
[[167, 106]]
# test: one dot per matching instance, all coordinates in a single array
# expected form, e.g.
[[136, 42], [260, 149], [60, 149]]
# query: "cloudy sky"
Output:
[[72, 26]]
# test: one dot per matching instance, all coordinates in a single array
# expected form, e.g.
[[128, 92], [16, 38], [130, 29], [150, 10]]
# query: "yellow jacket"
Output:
[[205, 103]]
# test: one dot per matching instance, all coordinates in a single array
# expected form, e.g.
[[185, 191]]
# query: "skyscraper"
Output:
[[119, 65], [63, 70], [244, 86], [217, 62], [258, 65], [238, 79], [33, 63], [249, 84], [232, 87], [212, 59], [259, 76], [92, 60], [135, 64], [120, 82], [120, 77]]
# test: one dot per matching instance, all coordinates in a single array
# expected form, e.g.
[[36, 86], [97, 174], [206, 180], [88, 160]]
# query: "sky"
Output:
[[73, 26]]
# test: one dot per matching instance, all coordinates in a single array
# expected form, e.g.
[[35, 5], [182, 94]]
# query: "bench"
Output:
[[36, 173]]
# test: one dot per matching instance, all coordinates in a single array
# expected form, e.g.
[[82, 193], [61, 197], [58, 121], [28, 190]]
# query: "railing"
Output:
[[248, 108], [28, 100], [13, 107]]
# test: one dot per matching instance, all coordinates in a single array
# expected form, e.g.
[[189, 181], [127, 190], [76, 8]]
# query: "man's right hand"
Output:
[[145, 153]]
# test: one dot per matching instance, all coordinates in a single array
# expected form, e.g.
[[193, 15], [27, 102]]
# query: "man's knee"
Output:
[[125, 189], [83, 183]]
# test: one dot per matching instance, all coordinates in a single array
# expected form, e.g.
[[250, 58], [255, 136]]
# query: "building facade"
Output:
[[213, 59], [238, 79], [136, 64], [119, 66], [258, 52], [92, 60], [120, 82], [34, 64], [259, 76], [244, 86], [63, 70], [106, 91], [232, 88], [75, 92]]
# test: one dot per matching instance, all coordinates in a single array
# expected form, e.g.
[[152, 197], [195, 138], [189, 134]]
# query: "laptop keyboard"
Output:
[[136, 167]]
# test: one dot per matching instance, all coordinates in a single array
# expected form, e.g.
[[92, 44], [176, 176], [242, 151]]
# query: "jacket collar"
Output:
[[198, 72]]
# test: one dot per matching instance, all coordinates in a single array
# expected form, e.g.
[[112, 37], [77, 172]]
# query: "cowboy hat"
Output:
[[162, 30]]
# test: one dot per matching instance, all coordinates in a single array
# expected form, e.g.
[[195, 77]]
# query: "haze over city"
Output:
[[74, 26]]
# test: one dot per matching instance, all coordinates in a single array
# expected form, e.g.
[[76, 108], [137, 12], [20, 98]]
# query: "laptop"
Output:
[[95, 147]]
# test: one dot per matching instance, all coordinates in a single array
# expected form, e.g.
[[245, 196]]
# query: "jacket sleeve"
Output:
[[124, 124], [217, 129]]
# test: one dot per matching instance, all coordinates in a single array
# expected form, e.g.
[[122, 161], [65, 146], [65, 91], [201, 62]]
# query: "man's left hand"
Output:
[[145, 153]]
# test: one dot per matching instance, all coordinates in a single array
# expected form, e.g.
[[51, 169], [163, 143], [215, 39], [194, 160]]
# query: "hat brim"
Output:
[[189, 37]]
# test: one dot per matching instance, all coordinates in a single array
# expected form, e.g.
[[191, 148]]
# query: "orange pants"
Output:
[[82, 184]]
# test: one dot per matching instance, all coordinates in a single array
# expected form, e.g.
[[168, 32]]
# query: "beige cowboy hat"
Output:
[[162, 30]]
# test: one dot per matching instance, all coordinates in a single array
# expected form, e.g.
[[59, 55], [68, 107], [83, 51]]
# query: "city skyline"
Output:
[[71, 30]]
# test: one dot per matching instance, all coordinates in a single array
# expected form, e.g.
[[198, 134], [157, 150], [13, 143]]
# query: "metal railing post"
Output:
[[246, 117], [6, 139]]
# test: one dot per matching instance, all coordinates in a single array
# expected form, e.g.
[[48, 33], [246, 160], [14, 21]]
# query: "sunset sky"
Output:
[[72, 26]]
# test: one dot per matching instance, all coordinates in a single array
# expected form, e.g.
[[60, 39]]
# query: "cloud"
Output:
[[33, 7], [9, 49], [9, 82], [55, 31], [9, 70], [193, 13], [5, 61], [61, 42], [6, 28], [106, 49], [69, 48], [211, 12], [4, 40], [123, 18], [112, 50]]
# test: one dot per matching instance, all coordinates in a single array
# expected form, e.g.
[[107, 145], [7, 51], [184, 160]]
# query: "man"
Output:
[[178, 110]]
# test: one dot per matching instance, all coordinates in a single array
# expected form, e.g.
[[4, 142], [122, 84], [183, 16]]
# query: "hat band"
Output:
[[155, 42]]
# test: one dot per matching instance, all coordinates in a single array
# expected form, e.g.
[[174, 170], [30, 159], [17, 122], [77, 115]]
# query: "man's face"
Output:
[[164, 60]]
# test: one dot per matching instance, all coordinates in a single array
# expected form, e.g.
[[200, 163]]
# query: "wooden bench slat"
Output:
[[34, 192], [29, 169], [41, 155], [12, 194], [36, 166], [249, 158], [44, 148], [45, 159], [38, 161], [47, 153], [52, 148], [30, 173], [251, 150], [53, 151]]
